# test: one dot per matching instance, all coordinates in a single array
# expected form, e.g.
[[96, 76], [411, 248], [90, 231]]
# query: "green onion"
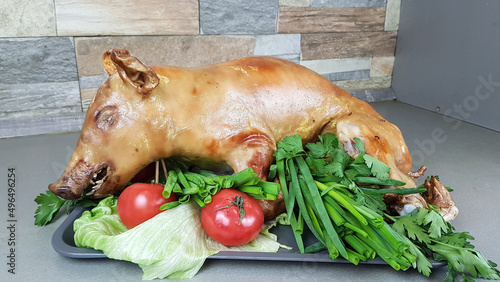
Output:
[[318, 205], [296, 224], [316, 247], [334, 215], [377, 181], [198, 200], [400, 191], [170, 183], [195, 179], [249, 189], [269, 187], [342, 202], [272, 172], [246, 176], [170, 205]]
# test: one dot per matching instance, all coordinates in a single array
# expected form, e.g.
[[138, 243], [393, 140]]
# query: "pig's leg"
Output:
[[256, 151], [384, 141], [251, 148], [259, 159]]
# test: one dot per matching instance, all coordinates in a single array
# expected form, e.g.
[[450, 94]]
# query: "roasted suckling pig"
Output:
[[230, 113]]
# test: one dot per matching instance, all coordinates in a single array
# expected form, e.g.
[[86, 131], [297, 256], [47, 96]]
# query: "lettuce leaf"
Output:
[[171, 245]]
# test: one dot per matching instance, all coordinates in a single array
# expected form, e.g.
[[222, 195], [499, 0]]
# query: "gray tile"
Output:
[[290, 57], [39, 77], [276, 44], [284, 46], [295, 3], [90, 82], [238, 17], [349, 75], [374, 95], [37, 99], [37, 60], [41, 125]]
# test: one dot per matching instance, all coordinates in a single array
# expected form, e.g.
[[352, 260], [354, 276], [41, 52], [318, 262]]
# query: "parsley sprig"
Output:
[[49, 205], [427, 230]]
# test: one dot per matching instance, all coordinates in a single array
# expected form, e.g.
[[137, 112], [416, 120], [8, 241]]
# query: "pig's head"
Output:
[[115, 142]]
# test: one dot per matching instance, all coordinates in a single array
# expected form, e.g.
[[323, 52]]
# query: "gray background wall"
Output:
[[448, 58]]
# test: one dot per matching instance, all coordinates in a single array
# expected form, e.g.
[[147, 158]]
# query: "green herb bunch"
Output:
[[340, 199]]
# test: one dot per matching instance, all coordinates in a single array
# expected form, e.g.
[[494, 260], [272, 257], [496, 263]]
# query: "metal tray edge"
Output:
[[63, 243]]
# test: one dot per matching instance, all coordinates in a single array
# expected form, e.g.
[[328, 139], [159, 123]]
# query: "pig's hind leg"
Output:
[[384, 141], [256, 151], [253, 150]]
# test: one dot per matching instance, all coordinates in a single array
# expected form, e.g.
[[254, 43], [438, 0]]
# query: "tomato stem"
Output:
[[239, 203]]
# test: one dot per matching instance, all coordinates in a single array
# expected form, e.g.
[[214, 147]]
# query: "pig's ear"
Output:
[[109, 66], [131, 70]]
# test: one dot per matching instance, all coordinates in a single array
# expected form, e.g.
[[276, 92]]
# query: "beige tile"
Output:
[[348, 45], [25, 18], [364, 84], [315, 20], [183, 51], [337, 65], [88, 94], [382, 66], [126, 17], [392, 15]]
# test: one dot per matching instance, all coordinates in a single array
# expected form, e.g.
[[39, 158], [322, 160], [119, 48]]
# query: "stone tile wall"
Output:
[[50, 50]]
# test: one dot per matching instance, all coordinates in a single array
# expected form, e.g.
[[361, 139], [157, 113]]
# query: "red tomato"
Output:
[[222, 221], [140, 202]]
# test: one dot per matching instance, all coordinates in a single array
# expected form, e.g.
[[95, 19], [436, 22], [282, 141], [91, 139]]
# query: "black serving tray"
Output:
[[63, 243]]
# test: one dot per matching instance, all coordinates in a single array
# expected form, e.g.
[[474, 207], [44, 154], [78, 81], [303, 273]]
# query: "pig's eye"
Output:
[[106, 117]]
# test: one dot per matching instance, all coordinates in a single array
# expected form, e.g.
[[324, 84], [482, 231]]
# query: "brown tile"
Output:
[[348, 45], [183, 51], [126, 17], [316, 20]]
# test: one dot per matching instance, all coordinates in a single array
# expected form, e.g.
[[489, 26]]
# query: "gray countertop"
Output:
[[465, 156]]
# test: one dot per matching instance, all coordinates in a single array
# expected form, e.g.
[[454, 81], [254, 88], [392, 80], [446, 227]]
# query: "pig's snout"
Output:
[[63, 191], [66, 189], [75, 180]]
